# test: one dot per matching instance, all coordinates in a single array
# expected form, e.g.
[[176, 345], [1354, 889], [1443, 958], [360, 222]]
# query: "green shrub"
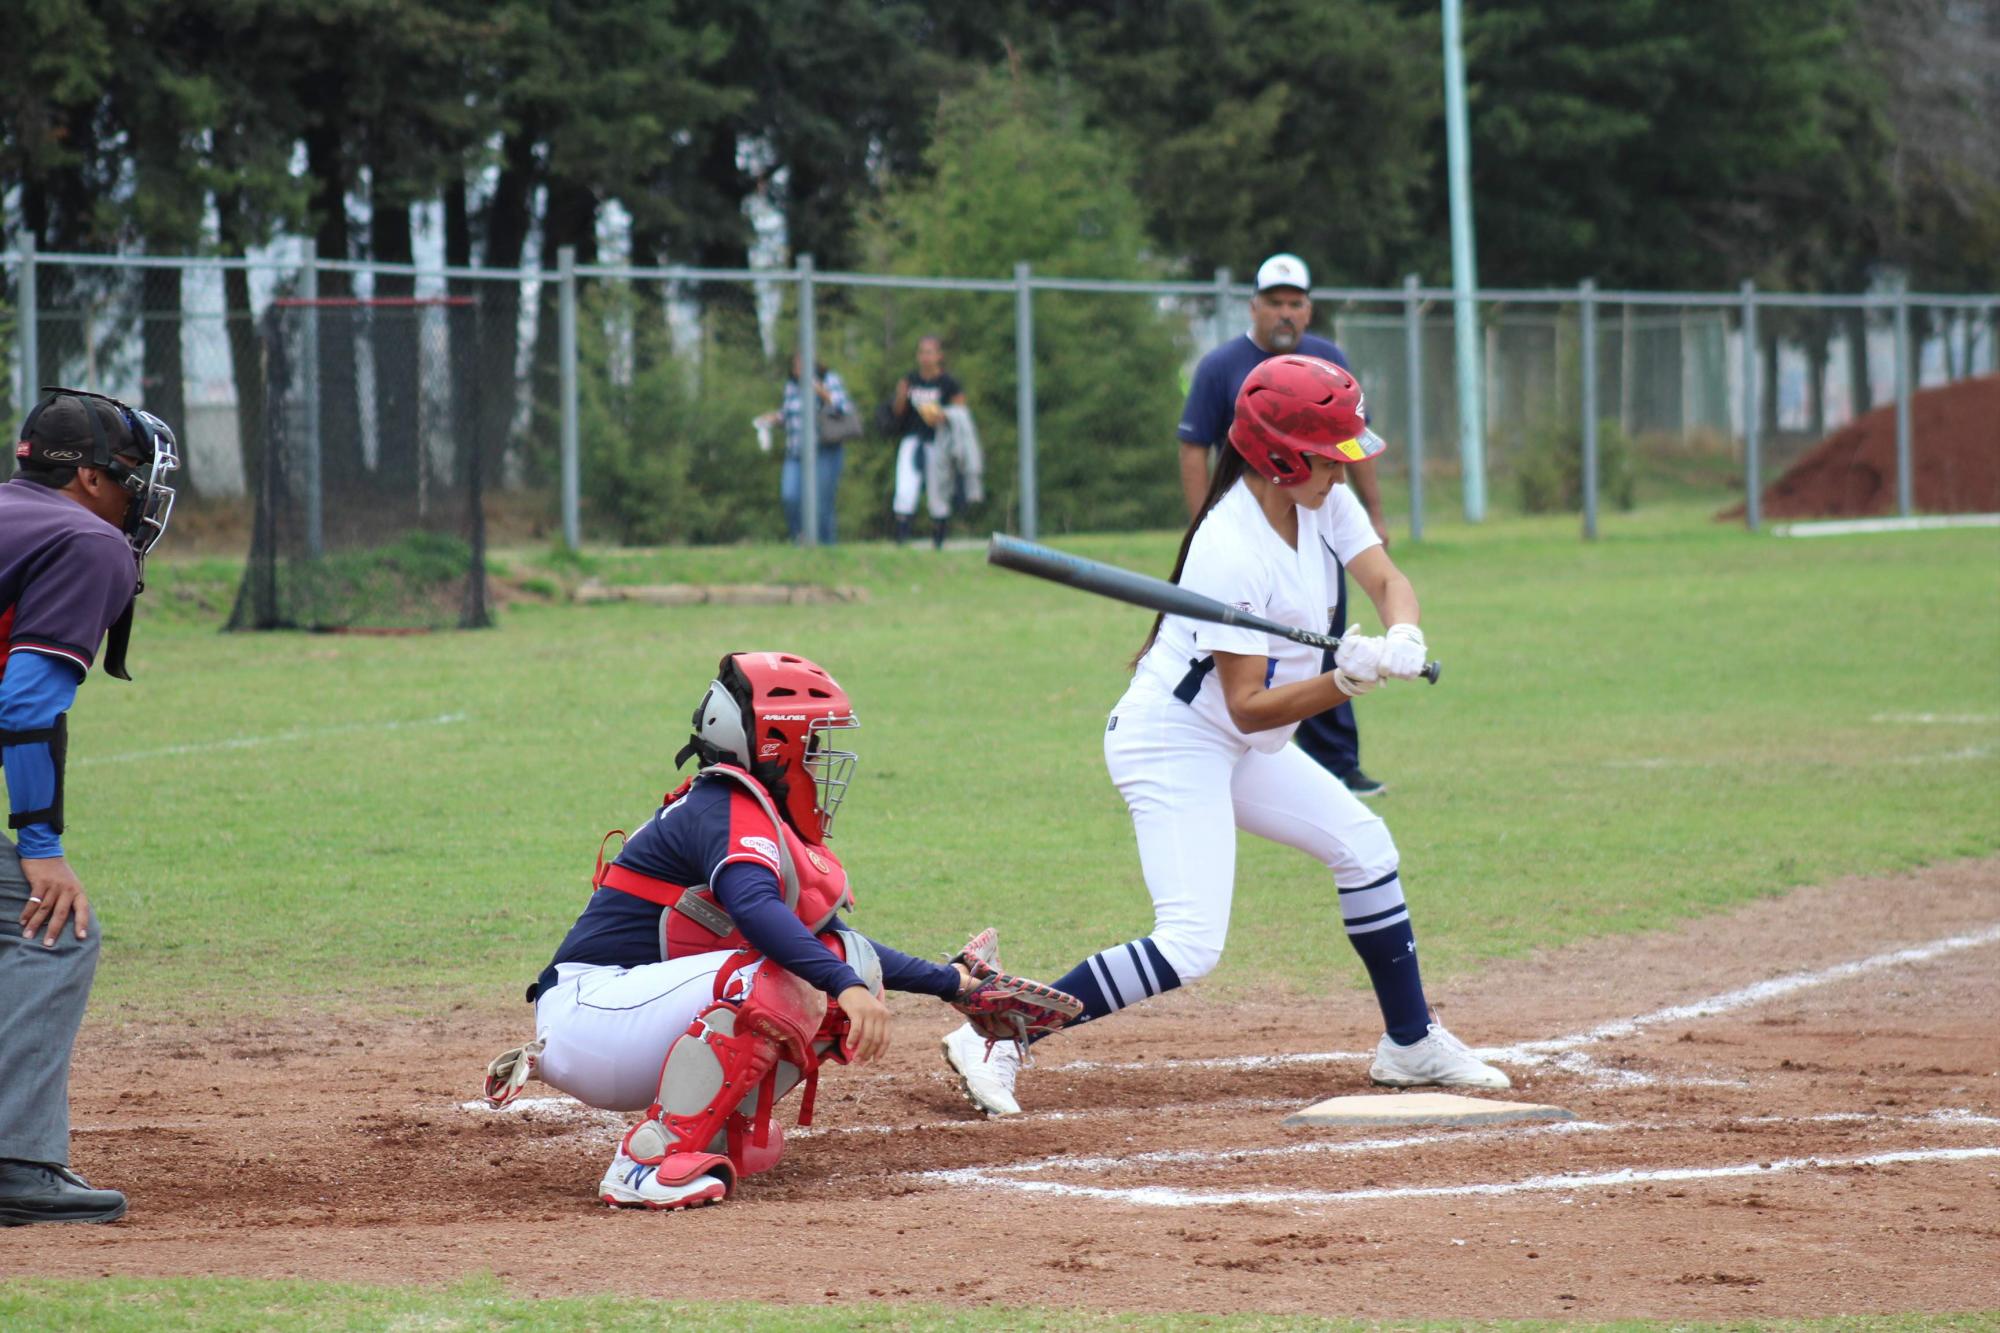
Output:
[[1548, 471], [668, 455]]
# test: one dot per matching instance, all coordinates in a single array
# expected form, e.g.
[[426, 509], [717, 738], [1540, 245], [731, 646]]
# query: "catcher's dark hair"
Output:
[[1226, 474]]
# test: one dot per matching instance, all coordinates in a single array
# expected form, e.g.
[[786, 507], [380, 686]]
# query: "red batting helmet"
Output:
[[1292, 406], [769, 713]]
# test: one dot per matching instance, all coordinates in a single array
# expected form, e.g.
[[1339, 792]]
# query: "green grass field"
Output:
[[117, 1305], [1666, 723]]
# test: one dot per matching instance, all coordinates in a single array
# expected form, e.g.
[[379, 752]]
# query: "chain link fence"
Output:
[[619, 405]]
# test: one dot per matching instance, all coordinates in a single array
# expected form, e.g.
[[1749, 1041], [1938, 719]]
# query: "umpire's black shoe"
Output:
[[44, 1192], [1362, 785]]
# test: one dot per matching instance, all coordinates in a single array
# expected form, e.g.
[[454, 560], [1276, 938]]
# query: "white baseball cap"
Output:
[[1283, 271]]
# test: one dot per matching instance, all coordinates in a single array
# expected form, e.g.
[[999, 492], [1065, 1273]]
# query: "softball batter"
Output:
[[1198, 744]]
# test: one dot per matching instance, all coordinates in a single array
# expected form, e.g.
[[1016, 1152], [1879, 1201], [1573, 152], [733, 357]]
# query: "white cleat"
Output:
[[630, 1184], [986, 1075], [1440, 1060]]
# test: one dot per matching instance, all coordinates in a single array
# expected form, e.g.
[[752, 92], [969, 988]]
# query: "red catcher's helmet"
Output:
[[1292, 406], [770, 713]]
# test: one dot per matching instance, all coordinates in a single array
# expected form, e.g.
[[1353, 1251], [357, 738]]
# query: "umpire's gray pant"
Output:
[[42, 994]]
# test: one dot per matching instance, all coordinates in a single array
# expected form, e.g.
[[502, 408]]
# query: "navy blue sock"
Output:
[[1378, 926], [1109, 981]]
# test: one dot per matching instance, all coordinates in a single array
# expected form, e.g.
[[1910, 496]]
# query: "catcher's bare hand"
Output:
[[867, 1024]]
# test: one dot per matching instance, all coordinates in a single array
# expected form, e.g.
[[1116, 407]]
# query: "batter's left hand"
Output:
[[55, 896], [867, 1024], [1403, 652], [1359, 655]]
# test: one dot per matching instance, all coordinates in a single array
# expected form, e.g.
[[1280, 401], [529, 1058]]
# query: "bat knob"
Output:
[[1431, 670]]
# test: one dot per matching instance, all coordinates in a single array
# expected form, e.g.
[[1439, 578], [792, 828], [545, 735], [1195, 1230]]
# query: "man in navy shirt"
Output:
[[1280, 309], [87, 503]]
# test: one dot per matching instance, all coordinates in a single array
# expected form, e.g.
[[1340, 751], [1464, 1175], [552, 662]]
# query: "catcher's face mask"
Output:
[[152, 497]]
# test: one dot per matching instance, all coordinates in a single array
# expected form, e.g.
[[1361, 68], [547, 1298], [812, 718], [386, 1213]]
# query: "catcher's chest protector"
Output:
[[810, 878]]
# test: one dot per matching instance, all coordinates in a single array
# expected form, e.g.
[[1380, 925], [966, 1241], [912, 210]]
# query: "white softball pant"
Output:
[[1190, 787], [607, 1029], [928, 479]]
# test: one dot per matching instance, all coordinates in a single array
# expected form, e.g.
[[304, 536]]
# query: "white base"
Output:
[[1421, 1108]]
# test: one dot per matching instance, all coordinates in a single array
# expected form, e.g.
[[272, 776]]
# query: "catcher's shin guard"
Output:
[[723, 1076]]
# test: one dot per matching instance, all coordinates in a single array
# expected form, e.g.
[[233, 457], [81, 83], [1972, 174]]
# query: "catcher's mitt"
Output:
[[1002, 1007]]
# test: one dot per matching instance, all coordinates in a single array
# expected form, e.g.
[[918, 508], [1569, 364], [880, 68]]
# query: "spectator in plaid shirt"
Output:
[[832, 456]]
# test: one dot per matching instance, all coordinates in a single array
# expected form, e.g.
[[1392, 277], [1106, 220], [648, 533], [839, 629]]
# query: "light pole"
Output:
[[1464, 271]]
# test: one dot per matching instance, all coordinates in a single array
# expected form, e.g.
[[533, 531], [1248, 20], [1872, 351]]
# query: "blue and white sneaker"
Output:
[[1440, 1060], [630, 1184]]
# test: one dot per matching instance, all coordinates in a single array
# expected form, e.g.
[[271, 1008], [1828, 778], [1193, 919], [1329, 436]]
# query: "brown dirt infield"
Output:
[[339, 1150]]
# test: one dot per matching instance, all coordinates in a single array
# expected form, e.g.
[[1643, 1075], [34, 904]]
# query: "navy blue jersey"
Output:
[[692, 842], [65, 577], [940, 392], [1211, 400]]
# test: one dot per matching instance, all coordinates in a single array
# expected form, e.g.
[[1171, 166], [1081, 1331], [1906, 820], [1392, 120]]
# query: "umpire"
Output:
[[88, 500], [1280, 310]]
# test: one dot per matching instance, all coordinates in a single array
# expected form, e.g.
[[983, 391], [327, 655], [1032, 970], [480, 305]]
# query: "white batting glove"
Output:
[[1403, 653], [1350, 686], [1359, 655]]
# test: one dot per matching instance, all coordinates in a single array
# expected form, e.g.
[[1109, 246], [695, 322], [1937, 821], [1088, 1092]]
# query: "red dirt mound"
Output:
[[1954, 464]]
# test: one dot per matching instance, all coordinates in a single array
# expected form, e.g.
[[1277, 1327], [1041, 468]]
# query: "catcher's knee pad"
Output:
[[724, 1075]]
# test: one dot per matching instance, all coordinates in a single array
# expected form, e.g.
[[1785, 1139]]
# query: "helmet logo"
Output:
[[63, 455]]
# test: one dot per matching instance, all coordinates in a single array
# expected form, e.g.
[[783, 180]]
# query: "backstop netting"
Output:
[[369, 484]]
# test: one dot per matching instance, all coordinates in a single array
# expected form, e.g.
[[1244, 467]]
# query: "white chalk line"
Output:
[[1938, 719], [1537, 1052], [280, 738], [1534, 1052], [1160, 1196], [1447, 1136], [568, 1108], [1312, 1148], [1957, 756]]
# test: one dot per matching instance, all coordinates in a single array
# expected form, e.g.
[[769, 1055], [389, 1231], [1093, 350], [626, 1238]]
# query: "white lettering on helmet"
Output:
[[785, 717]]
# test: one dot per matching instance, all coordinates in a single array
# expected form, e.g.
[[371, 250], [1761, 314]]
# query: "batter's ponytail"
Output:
[[1227, 473]]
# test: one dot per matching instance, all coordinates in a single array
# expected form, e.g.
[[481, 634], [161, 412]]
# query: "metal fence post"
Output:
[[1024, 395], [1587, 332], [1904, 497], [31, 349], [1221, 329], [572, 472], [1413, 358], [309, 356], [1753, 498], [808, 342]]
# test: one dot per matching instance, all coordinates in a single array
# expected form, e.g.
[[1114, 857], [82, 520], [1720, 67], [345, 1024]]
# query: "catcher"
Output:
[[696, 984]]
